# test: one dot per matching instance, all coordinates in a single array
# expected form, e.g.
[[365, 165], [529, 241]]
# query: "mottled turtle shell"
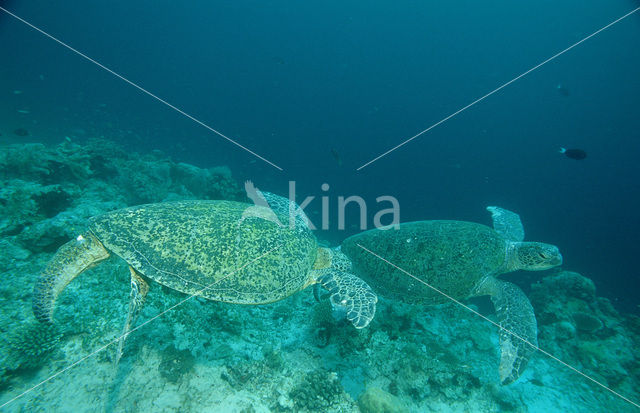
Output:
[[452, 256], [191, 245]]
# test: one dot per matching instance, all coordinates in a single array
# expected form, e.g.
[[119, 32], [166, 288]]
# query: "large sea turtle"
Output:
[[461, 260], [220, 250]]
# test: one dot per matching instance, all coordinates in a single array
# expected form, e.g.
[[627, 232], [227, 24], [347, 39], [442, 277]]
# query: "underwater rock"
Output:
[[47, 235], [17, 207], [40, 182], [212, 183], [175, 363], [193, 178], [322, 323], [557, 296], [604, 305], [139, 178], [243, 374], [326, 329], [584, 330], [567, 283], [11, 253], [565, 330], [376, 400], [633, 323], [144, 184], [52, 200], [221, 185], [505, 398]]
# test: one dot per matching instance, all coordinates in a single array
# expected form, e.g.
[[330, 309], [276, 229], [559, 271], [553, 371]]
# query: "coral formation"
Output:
[[586, 322], [47, 193], [317, 391], [292, 356], [27, 347], [328, 327], [584, 330], [375, 400]]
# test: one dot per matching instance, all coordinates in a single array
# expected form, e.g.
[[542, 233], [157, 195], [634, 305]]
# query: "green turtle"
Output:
[[220, 250], [461, 260]]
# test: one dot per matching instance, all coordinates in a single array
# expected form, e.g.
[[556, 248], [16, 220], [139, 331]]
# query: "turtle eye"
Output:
[[544, 257]]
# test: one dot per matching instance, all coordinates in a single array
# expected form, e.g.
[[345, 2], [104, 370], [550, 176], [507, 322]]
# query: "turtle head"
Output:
[[533, 256]]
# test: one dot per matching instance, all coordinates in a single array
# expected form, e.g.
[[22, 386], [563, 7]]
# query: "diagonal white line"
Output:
[[497, 89], [141, 89], [136, 328], [499, 326]]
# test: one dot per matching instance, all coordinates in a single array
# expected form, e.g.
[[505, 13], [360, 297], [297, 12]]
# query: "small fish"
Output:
[[23, 111], [336, 156], [577, 154], [21, 132], [562, 89], [17, 92]]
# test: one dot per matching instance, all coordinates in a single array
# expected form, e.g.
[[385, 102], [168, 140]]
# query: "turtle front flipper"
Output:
[[139, 290], [518, 332], [507, 223], [351, 293], [70, 260]]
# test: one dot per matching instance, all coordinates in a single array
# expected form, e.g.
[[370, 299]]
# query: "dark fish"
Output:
[[336, 156], [562, 89], [577, 154], [21, 132]]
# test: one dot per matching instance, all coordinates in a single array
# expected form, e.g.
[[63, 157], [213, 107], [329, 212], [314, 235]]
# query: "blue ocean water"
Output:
[[322, 88]]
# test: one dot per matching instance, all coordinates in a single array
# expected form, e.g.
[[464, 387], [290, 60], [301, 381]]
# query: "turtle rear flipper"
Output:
[[139, 290], [71, 259], [518, 332], [352, 294]]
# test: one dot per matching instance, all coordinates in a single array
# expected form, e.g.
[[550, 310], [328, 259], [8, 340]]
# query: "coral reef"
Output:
[[585, 330], [586, 322], [27, 347], [47, 193], [317, 391], [296, 355], [327, 327]]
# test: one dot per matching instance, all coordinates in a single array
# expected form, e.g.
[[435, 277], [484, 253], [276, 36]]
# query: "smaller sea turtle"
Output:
[[220, 250], [461, 260]]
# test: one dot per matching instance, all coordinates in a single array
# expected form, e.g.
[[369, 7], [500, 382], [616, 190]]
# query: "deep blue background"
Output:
[[293, 81]]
